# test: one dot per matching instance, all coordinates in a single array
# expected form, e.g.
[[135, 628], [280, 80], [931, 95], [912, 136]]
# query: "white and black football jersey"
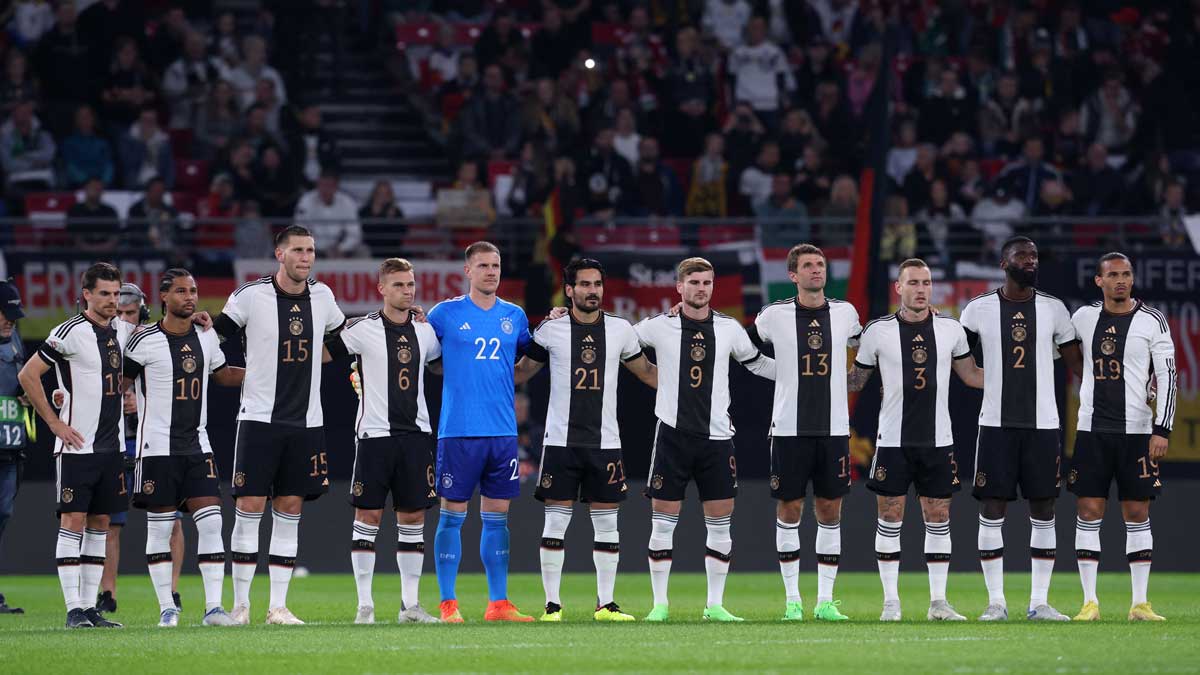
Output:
[[170, 374], [914, 361], [87, 359], [1019, 342], [391, 367], [284, 337], [585, 363], [693, 369], [810, 365], [1123, 351]]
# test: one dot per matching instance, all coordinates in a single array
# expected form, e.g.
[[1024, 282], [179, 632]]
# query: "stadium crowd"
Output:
[[1001, 111]]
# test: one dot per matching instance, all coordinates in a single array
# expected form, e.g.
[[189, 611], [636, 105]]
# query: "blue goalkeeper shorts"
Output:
[[490, 462]]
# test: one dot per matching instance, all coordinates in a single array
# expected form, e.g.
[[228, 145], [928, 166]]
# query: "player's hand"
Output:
[[418, 314], [557, 313], [675, 310], [202, 319], [58, 398], [129, 402], [355, 379], [1158, 448], [71, 438]]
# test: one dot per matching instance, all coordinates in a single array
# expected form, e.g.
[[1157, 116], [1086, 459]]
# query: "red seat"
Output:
[[184, 202], [711, 235], [411, 34], [683, 171], [654, 236], [191, 175], [464, 237], [990, 168], [608, 34], [47, 219], [497, 168], [466, 33], [48, 202], [593, 237]]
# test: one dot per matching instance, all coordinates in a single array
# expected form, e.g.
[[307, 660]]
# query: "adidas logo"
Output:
[[588, 339], [1112, 330], [110, 342], [295, 308], [1157, 483], [404, 338], [814, 324], [698, 336], [1018, 315], [918, 339], [186, 348], [465, 326]]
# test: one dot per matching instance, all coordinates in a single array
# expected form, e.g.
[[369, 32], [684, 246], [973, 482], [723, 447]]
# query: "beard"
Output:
[[1024, 278], [581, 303], [182, 313]]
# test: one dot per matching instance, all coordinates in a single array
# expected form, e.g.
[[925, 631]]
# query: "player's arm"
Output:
[[526, 368], [30, 378], [334, 348], [864, 362], [1162, 352], [857, 378], [968, 372], [227, 328], [435, 366], [1072, 356], [645, 371], [749, 356], [229, 376]]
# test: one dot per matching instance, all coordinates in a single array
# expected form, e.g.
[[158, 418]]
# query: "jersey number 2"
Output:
[[483, 344]]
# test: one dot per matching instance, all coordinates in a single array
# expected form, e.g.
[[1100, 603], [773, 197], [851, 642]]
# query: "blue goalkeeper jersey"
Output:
[[479, 349]]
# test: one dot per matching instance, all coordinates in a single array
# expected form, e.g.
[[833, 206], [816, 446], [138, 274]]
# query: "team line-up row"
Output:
[[289, 324]]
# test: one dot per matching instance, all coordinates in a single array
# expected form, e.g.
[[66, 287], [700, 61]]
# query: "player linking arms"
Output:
[[481, 337], [913, 350], [581, 455]]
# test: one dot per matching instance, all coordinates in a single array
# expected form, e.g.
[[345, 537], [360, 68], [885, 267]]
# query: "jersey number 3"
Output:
[[483, 345]]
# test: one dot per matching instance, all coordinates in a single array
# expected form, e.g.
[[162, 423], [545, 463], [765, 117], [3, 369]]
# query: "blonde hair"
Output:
[[394, 265], [692, 265]]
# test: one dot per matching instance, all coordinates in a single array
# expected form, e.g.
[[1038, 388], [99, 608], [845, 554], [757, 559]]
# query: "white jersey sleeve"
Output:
[[1162, 353], [961, 346], [431, 347], [867, 348], [1064, 330], [631, 347]]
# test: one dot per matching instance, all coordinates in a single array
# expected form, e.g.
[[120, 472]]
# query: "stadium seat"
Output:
[[410, 34], [990, 168], [715, 235], [47, 212], [191, 175], [181, 142]]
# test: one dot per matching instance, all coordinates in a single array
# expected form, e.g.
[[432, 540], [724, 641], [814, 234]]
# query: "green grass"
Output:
[[36, 643]]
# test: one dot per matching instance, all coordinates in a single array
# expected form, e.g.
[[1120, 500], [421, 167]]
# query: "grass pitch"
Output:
[[36, 642]]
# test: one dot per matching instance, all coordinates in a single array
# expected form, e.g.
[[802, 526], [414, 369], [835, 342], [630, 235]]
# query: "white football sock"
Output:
[[362, 560], [410, 558], [66, 554], [991, 558], [937, 558], [787, 544], [662, 536], [243, 548], [553, 551], [829, 555], [1087, 555], [718, 545], [210, 553], [158, 555], [606, 553], [91, 568], [887, 557], [1139, 545], [285, 541], [1043, 544]]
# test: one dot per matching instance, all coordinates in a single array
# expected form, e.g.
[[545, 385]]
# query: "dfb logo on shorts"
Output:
[[358, 488], [774, 482], [148, 487], [447, 481], [881, 474], [656, 482], [67, 495], [980, 479], [239, 479], [1073, 476], [547, 481]]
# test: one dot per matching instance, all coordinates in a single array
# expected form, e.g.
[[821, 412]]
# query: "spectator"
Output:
[[940, 221], [627, 141], [797, 133], [276, 186], [841, 208], [17, 84], [609, 178], [500, 37], [1024, 177], [1067, 146], [947, 110], [165, 46], [603, 113], [1054, 204], [332, 216], [254, 237], [312, 150], [255, 130], [755, 182], [532, 181], [786, 220], [145, 152], [708, 193], [726, 19], [553, 47], [443, 60], [816, 68], [128, 88], [743, 136], [491, 123], [455, 93], [1098, 188], [899, 238], [253, 68], [837, 19], [217, 122], [833, 122], [31, 19], [690, 87], [993, 217], [216, 234], [26, 151], [971, 186], [1006, 118], [861, 81], [656, 187], [758, 73], [223, 43], [266, 98], [1109, 116], [84, 154], [919, 179], [92, 224], [550, 119], [64, 64], [380, 218], [105, 22], [153, 223], [903, 155], [240, 169], [813, 179], [1171, 229], [188, 81]]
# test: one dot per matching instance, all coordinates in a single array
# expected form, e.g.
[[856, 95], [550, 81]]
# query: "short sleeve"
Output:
[[743, 348], [539, 349], [437, 317], [216, 357], [1064, 330], [962, 348], [237, 307], [433, 348], [139, 356], [334, 317], [853, 327], [762, 323], [631, 348], [351, 337], [970, 317], [56, 349], [866, 356], [524, 337], [645, 332]]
